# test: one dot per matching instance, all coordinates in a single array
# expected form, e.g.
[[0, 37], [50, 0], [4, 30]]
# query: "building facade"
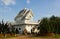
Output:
[[23, 20]]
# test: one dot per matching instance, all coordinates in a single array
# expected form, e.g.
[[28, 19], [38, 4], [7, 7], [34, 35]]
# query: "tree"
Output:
[[44, 25], [17, 32], [50, 25]]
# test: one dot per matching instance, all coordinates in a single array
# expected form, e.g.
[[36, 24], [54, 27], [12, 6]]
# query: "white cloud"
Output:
[[8, 2], [28, 1]]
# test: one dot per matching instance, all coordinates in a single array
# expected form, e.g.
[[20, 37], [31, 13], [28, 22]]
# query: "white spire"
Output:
[[25, 8], [31, 9]]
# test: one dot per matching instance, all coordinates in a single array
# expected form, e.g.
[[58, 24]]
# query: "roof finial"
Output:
[[25, 8]]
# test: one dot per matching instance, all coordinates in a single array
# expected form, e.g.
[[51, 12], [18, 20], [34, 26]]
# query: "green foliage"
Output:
[[5, 28], [44, 25], [13, 30], [51, 24]]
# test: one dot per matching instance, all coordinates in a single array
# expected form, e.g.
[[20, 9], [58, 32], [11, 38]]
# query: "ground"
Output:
[[29, 37]]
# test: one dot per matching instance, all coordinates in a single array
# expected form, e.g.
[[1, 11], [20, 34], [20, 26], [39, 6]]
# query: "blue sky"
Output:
[[41, 8]]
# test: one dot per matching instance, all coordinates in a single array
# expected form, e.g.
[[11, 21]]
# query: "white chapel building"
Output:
[[24, 19]]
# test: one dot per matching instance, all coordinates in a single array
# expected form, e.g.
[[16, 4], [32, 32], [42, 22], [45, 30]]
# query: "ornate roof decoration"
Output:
[[23, 13]]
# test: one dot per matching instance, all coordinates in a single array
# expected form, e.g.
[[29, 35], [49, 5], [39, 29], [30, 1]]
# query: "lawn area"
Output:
[[32, 37], [57, 36]]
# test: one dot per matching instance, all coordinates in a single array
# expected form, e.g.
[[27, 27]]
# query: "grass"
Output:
[[57, 36], [8, 36]]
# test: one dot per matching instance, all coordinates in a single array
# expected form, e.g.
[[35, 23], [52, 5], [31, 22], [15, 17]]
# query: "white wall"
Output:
[[28, 27]]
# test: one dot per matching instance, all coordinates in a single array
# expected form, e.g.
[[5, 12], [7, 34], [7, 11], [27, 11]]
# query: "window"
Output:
[[19, 28]]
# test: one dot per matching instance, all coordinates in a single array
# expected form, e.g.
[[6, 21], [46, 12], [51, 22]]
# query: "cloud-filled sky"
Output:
[[41, 8]]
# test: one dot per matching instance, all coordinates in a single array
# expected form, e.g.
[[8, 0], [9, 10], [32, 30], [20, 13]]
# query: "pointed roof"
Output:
[[23, 13], [20, 14], [29, 11]]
